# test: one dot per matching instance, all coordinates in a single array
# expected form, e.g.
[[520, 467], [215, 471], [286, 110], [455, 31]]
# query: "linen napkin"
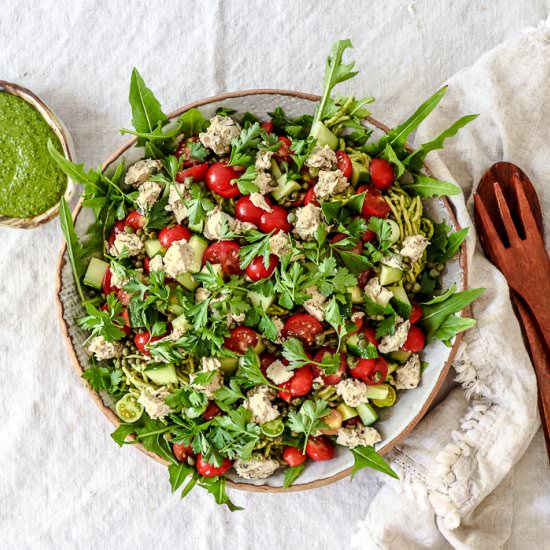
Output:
[[455, 468]]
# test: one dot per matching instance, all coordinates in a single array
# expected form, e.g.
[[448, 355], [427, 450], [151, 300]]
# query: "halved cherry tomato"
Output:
[[300, 384], [364, 367], [415, 340], [284, 151], [147, 264], [197, 172], [357, 249], [344, 163], [182, 451], [371, 371], [218, 180], [370, 335], [310, 197], [246, 211], [358, 323], [141, 339], [416, 313], [267, 126], [207, 470], [257, 270], [320, 448], [303, 326], [106, 285], [265, 360], [368, 236], [117, 228], [374, 203], [135, 219], [184, 149], [241, 339], [329, 379], [169, 235], [276, 220], [225, 253], [381, 173], [293, 456], [211, 411]]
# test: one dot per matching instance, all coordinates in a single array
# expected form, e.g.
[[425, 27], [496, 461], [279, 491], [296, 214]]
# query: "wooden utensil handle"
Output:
[[540, 311]]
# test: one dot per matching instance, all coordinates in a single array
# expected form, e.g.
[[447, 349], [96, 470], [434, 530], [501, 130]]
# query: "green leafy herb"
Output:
[[292, 474], [198, 205], [424, 186], [106, 323], [242, 146], [122, 432], [234, 435], [308, 419], [245, 183], [216, 487], [383, 230], [103, 379], [367, 457], [198, 151], [249, 371], [298, 128], [443, 246]]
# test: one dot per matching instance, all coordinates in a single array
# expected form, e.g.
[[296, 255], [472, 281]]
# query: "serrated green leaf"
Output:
[[367, 457], [425, 186]]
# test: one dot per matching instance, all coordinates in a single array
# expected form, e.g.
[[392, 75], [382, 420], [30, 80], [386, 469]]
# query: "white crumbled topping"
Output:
[[210, 363], [279, 326], [219, 134], [315, 305], [279, 244], [129, 241], [330, 183], [377, 293], [414, 246], [323, 158], [353, 392], [259, 403], [356, 315], [201, 294], [178, 258], [407, 376], [394, 342], [149, 193], [264, 182], [235, 318], [153, 402], [141, 171], [118, 280], [216, 218], [358, 435], [308, 219], [393, 260], [257, 199], [103, 349], [178, 193], [319, 381], [256, 467], [156, 263], [277, 372], [263, 160], [215, 383]]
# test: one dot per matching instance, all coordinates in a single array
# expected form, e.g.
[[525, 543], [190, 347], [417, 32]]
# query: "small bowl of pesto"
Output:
[[31, 183]]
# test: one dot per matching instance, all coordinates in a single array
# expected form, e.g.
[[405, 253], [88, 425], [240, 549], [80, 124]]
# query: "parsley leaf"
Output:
[[106, 323], [308, 419], [234, 435], [198, 151], [249, 372], [242, 153], [383, 230], [245, 183], [259, 247], [103, 379]]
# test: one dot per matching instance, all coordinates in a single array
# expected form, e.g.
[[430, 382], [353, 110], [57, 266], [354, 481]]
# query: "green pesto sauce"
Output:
[[30, 180]]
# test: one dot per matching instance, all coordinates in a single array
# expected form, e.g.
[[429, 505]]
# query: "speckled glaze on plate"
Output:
[[395, 423]]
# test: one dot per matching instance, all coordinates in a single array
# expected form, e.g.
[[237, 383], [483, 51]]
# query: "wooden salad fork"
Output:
[[509, 222]]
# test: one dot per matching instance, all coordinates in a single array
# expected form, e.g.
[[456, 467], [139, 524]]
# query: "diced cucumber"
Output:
[[392, 367], [358, 345], [275, 170], [367, 414], [198, 245], [389, 275], [229, 364], [153, 247], [356, 294], [176, 309], [166, 374], [95, 273], [324, 135], [401, 356], [388, 401], [359, 172], [196, 227], [284, 187], [259, 300], [187, 280], [260, 346], [379, 391], [346, 412], [395, 234], [399, 293], [181, 323]]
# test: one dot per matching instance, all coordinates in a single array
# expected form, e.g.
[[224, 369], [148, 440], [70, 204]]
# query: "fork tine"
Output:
[[493, 243], [530, 225], [505, 214]]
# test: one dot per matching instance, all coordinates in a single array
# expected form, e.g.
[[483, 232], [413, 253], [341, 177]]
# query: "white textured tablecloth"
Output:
[[63, 482]]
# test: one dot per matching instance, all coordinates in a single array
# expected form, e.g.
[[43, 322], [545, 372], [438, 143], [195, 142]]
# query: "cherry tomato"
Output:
[[415, 340], [344, 163], [135, 219], [276, 220], [218, 180], [370, 335], [364, 277], [416, 313], [147, 264], [267, 126], [257, 270], [284, 151], [381, 173], [374, 203], [265, 360], [302, 326], [340, 236], [141, 339], [248, 212], [241, 339], [329, 379], [184, 150], [368, 236], [370, 371], [106, 285], [300, 384], [208, 470], [182, 451], [293, 456], [320, 448], [169, 235], [211, 411], [197, 172], [358, 323], [225, 253], [117, 228], [310, 197]]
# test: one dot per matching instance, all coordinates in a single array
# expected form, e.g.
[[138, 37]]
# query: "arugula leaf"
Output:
[[150, 433], [425, 186], [191, 123], [122, 432], [292, 474], [451, 327], [367, 457], [103, 379], [216, 487], [298, 128], [442, 246], [390, 155], [74, 249], [308, 419], [178, 474]]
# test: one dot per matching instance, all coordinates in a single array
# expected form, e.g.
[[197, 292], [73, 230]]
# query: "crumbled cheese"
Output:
[[408, 375], [353, 392], [176, 197], [178, 258], [153, 402], [314, 305], [210, 363], [156, 263], [357, 435], [263, 160], [215, 220], [141, 171], [219, 134], [118, 280], [126, 241], [264, 182], [257, 199], [308, 219], [103, 349], [149, 193], [394, 342], [319, 381], [377, 293], [201, 294], [330, 183], [235, 318], [256, 467], [414, 246], [322, 157], [279, 244], [279, 325], [277, 372], [259, 404]]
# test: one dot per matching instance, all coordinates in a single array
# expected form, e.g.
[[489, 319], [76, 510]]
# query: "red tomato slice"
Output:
[[329, 379], [310, 197], [257, 270], [293, 456], [302, 326], [344, 163], [225, 253], [381, 173], [107, 288], [197, 172], [415, 340], [211, 411], [219, 177], [300, 384], [182, 451], [169, 235], [276, 220], [135, 219], [284, 151], [241, 339], [265, 360], [207, 470], [319, 448], [117, 228], [416, 313], [370, 335], [374, 203], [248, 212], [141, 339], [184, 150], [341, 236]]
